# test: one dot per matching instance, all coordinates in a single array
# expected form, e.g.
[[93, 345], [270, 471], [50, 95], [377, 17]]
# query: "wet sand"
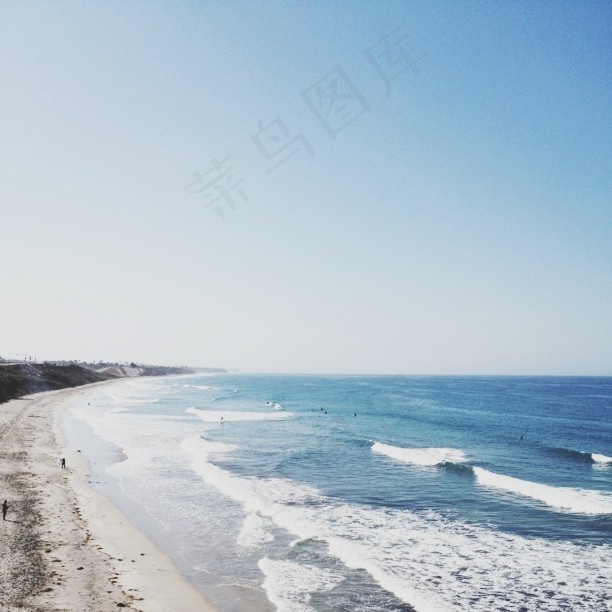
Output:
[[65, 547]]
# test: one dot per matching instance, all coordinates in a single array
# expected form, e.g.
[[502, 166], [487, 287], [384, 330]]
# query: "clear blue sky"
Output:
[[419, 187]]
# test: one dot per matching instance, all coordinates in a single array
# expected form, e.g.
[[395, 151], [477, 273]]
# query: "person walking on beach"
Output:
[[63, 462], [4, 510]]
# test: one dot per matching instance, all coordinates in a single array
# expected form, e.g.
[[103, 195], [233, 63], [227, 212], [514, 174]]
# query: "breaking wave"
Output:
[[574, 500], [420, 456], [582, 455], [216, 416]]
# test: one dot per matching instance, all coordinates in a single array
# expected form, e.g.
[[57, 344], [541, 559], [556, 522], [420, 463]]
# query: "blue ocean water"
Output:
[[306, 493]]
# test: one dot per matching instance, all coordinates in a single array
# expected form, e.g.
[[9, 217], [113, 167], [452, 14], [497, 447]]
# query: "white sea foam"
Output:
[[579, 501], [136, 401], [420, 456], [601, 458], [439, 565], [258, 495], [288, 584], [254, 532], [117, 410], [423, 559], [357, 556], [215, 416]]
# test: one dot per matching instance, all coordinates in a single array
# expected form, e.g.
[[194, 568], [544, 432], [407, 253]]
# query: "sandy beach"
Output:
[[63, 546]]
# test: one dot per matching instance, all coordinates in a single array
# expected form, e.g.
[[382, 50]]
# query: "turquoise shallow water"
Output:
[[366, 493]]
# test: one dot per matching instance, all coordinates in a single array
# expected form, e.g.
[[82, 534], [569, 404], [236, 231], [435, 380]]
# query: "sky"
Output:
[[308, 187]]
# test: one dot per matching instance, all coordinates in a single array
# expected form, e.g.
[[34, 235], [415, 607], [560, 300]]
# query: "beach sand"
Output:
[[63, 546]]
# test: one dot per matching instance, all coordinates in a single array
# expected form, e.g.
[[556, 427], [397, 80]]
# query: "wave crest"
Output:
[[582, 455], [578, 501], [601, 458], [420, 456], [216, 416]]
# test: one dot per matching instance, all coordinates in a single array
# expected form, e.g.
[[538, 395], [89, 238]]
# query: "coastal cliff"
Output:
[[19, 379]]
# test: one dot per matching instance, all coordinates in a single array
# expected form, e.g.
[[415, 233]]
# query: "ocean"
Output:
[[364, 493]]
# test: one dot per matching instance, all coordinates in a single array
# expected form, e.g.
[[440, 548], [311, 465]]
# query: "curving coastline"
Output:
[[18, 379], [63, 545]]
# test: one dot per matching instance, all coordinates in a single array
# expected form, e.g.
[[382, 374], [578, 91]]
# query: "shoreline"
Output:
[[64, 546]]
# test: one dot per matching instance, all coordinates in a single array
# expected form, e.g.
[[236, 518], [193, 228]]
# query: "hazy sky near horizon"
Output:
[[384, 187]]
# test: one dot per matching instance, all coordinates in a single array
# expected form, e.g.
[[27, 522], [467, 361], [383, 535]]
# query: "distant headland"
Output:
[[19, 378]]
